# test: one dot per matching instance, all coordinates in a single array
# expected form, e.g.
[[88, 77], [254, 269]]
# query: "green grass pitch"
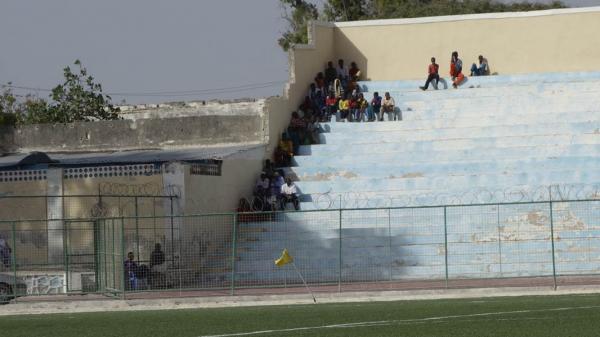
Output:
[[549, 316]]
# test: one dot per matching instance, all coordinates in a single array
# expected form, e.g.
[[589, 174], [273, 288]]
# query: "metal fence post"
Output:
[[390, 241], [66, 252], [14, 258], [552, 240], [233, 252], [122, 255], [499, 238], [340, 249], [137, 231], [446, 243]]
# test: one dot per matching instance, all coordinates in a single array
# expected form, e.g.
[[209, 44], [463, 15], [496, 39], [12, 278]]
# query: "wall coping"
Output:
[[467, 17]]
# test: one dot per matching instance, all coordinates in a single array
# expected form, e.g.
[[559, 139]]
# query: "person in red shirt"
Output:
[[456, 70], [353, 105], [433, 75], [332, 104]]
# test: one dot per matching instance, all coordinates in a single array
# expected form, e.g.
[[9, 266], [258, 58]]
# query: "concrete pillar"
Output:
[[55, 213], [173, 184]]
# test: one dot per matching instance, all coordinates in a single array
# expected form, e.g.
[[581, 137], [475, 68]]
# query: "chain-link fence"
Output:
[[454, 246]]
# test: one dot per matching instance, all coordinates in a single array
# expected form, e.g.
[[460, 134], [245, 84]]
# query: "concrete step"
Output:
[[362, 170], [359, 136], [380, 155], [512, 81], [461, 121], [449, 182]]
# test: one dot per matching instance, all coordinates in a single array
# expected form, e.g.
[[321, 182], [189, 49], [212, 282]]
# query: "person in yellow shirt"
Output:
[[344, 107]]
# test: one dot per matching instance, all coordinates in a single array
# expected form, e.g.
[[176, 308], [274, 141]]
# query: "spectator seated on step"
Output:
[[483, 69], [375, 109], [135, 275], [312, 130], [353, 105], [307, 105], [456, 70], [289, 193], [331, 107], [343, 108], [5, 254], [319, 105], [388, 106], [353, 75], [330, 76], [268, 169], [297, 130], [433, 77], [320, 83], [284, 152], [158, 267], [276, 183], [261, 188], [361, 108]]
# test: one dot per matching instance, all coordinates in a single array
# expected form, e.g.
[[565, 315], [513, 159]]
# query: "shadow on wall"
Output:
[[353, 54]]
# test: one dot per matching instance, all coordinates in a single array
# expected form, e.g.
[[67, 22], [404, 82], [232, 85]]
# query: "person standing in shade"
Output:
[[289, 193], [433, 75], [342, 73], [330, 76], [5, 253], [158, 267], [456, 70]]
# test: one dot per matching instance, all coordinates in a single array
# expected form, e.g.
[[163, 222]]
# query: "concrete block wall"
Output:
[[495, 140]]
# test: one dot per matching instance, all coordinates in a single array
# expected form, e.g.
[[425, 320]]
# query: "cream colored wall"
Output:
[[208, 237], [545, 41], [305, 61], [30, 243], [140, 234], [214, 194]]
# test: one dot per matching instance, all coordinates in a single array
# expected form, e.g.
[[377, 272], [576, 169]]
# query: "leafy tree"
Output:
[[351, 10], [79, 98], [8, 106], [298, 13]]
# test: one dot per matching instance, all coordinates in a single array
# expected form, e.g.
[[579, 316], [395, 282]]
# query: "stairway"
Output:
[[497, 139]]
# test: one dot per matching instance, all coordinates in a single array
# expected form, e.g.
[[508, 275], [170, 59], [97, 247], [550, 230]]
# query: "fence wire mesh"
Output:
[[542, 243]]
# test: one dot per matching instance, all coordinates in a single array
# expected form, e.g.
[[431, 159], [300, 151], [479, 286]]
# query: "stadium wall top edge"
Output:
[[454, 18]]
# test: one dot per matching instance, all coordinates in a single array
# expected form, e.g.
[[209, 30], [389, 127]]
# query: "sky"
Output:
[[150, 51]]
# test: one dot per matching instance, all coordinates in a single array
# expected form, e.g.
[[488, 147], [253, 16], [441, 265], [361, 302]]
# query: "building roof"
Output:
[[23, 160]]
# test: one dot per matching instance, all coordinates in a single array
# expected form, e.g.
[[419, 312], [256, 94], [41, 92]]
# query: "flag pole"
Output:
[[303, 281]]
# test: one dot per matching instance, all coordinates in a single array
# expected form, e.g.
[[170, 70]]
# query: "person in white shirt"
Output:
[[342, 73], [388, 105], [289, 193]]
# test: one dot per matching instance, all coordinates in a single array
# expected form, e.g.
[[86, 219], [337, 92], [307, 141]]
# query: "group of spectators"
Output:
[[140, 276], [335, 92], [272, 191], [456, 74]]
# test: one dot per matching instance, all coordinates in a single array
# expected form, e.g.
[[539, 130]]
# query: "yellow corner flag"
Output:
[[284, 259]]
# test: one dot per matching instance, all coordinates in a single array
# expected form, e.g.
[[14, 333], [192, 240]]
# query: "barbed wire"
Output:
[[559, 192]]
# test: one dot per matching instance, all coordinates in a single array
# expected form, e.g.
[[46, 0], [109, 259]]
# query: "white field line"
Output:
[[402, 321]]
